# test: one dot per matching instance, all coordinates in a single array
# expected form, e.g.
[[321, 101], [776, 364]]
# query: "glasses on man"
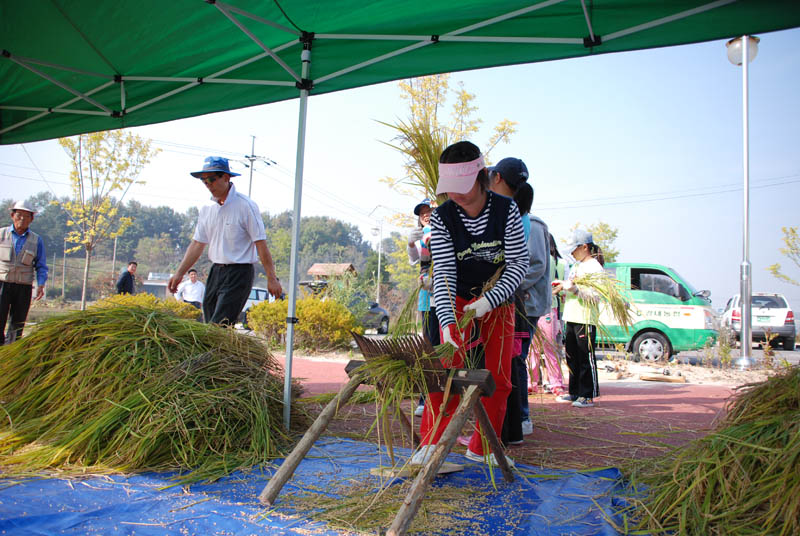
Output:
[[210, 179]]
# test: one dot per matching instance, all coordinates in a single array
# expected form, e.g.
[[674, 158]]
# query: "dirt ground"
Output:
[[632, 419]]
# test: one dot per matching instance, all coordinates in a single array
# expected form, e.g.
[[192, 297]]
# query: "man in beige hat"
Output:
[[21, 257]]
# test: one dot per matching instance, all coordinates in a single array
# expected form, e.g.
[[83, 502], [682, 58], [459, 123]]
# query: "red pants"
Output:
[[497, 332]]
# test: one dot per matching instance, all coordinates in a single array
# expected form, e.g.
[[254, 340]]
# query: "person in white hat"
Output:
[[580, 335], [22, 260], [232, 228]]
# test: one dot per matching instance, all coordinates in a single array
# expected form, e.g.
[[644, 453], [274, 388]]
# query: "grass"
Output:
[[742, 478], [132, 389]]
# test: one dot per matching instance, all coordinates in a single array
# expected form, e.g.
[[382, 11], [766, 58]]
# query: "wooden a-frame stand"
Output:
[[471, 384]]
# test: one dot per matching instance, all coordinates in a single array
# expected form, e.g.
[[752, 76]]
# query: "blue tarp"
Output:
[[539, 502]]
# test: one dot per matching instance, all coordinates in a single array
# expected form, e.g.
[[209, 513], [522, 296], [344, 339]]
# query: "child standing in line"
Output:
[[580, 334]]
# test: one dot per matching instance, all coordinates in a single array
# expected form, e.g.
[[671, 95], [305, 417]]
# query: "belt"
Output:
[[233, 264]]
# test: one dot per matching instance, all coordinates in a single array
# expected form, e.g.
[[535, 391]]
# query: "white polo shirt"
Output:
[[231, 229], [191, 292]]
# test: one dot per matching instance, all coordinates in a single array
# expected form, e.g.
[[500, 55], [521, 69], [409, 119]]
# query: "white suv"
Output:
[[770, 313]]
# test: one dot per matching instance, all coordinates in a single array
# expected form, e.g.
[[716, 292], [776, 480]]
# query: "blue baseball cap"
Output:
[[512, 170], [424, 203], [579, 238], [212, 164]]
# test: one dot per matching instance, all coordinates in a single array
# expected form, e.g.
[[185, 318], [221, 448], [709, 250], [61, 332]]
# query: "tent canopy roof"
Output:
[[72, 66]]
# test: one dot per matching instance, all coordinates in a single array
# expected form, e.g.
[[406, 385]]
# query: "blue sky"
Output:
[[649, 142]]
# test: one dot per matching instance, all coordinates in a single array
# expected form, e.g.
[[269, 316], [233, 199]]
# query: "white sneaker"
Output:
[[419, 410], [566, 398], [583, 402], [480, 458], [422, 455], [527, 427]]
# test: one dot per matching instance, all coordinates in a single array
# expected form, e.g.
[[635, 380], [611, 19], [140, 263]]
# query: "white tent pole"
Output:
[[298, 193]]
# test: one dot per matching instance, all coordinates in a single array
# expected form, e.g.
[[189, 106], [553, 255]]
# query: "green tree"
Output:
[[404, 274], [103, 164], [156, 252], [604, 236], [792, 250]]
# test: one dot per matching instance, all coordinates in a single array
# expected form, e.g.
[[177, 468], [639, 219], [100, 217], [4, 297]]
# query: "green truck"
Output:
[[669, 315]]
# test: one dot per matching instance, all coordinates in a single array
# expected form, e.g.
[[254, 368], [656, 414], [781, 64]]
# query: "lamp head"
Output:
[[735, 47]]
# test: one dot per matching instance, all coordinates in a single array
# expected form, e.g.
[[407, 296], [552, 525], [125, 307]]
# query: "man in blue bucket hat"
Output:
[[232, 228]]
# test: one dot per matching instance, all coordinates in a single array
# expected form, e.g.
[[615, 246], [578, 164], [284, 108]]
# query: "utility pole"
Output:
[[114, 261], [64, 269], [251, 158]]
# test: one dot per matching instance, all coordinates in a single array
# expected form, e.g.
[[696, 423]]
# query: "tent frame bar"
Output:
[[588, 21], [253, 16], [208, 80], [667, 19], [305, 57], [53, 110], [49, 111], [258, 41], [62, 67], [62, 85], [455, 38]]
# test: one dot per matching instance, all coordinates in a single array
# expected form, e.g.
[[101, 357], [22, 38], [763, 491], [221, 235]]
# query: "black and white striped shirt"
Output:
[[445, 267]]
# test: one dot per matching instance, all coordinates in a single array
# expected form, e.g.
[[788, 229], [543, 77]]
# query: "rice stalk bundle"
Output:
[[134, 389], [743, 478], [421, 143], [606, 297]]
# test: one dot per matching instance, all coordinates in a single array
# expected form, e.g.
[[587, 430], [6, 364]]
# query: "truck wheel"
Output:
[[788, 344], [652, 346], [383, 329]]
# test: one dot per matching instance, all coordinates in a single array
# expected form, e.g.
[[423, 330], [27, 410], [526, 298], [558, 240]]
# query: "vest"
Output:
[[477, 257], [17, 268]]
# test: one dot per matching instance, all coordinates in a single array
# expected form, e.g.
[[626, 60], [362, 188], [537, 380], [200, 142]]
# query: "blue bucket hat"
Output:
[[579, 238], [424, 203], [212, 164]]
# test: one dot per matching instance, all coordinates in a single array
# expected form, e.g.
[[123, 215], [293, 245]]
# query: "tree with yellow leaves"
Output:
[[104, 167], [792, 250], [422, 137]]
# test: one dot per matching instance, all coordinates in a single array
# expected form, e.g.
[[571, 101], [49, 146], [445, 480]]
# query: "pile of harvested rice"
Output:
[[743, 478], [134, 389]]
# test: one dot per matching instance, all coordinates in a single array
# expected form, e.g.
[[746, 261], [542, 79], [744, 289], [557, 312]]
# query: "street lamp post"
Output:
[[379, 230], [741, 51]]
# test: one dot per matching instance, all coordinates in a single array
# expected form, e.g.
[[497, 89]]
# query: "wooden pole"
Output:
[[415, 495], [289, 465], [494, 442]]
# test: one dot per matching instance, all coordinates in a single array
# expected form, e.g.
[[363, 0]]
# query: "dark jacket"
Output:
[[125, 282]]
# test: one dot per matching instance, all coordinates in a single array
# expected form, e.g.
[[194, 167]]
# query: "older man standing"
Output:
[[234, 231], [21, 254]]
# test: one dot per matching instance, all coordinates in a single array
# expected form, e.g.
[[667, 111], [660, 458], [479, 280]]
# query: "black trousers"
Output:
[[227, 289], [579, 343], [15, 300], [430, 326], [512, 424]]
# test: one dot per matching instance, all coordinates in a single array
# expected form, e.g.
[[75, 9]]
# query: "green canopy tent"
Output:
[[73, 66]]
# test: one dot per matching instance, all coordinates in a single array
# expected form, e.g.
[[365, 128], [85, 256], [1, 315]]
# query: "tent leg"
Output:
[[298, 194]]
